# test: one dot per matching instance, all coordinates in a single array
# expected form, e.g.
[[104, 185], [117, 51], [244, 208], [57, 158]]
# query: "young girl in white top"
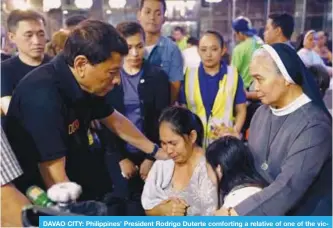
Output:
[[230, 165]]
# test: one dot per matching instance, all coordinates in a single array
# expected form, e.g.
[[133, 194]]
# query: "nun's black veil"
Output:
[[300, 74]]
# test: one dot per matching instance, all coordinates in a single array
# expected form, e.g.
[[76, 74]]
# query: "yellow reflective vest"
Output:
[[223, 108]]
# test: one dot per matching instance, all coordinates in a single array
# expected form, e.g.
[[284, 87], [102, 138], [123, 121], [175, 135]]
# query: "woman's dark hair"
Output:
[[94, 39], [236, 162], [193, 41], [321, 77], [300, 40], [217, 35], [130, 28], [183, 121], [75, 20]]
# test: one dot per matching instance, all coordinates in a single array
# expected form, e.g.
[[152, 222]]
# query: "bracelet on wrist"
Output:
[[152, 154]]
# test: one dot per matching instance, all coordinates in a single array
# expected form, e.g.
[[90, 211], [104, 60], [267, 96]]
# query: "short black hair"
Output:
[[94, 39], [183, 121], [193, 41], [180, 29], [285, 21], [142, 2], [236, 161], [130, 28], [217, 35], [75, 20], [16, 16], [321, 77]]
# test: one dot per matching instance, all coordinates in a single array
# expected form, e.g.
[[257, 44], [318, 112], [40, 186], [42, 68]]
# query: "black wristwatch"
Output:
[[152, 154]]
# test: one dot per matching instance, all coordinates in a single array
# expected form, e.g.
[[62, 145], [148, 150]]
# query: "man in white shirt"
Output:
[[190, 54]]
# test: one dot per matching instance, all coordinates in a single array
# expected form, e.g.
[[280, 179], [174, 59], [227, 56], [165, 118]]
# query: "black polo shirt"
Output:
[[48, 118], [12, 71]]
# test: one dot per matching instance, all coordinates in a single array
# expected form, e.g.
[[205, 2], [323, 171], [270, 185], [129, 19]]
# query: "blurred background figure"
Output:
[[248, 42], [73, 21], [57, 43], [7, 49], [179, 35], [322, 49], [26, 29], [190, 54], [305, 49]]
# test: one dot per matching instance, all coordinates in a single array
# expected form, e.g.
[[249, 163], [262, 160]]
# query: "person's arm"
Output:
[[176, 74], [240, 116], [298, 172], [240, 106], [126, 130], [174, 89], [7, 86], [12, 203], [45, 124], [5, 101], [53, 171], [182, 95], [12, 200]]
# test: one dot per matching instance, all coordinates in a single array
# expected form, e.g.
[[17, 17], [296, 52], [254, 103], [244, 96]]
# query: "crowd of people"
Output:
[[150, 125]]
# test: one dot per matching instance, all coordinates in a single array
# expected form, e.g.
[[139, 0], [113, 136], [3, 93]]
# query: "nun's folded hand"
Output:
[[223, 131]]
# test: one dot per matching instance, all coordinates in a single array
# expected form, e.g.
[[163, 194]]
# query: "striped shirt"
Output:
[[10, 168]]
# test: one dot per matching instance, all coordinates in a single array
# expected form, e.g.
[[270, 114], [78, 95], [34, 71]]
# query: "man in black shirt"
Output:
[[52, 107], [4, 56], [27, 32]]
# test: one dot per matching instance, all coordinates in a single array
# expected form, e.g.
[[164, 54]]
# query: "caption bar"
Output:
[[174, 222]]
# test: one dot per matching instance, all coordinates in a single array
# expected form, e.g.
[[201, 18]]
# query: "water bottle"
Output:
[[38, 197]]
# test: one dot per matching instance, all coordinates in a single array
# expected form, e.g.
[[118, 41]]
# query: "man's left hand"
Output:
[[145, 168]]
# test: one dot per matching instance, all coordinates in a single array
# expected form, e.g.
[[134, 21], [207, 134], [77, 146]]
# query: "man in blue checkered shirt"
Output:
[[11, 199]]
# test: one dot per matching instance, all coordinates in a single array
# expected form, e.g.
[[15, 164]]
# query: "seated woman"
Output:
[[230, 166], [214, 91], [180, 186]]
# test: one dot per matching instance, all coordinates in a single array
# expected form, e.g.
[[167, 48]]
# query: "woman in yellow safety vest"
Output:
[[214, 91]]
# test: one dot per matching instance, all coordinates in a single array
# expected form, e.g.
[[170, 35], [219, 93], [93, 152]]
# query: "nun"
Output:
[[305, 50], [290, 139]]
